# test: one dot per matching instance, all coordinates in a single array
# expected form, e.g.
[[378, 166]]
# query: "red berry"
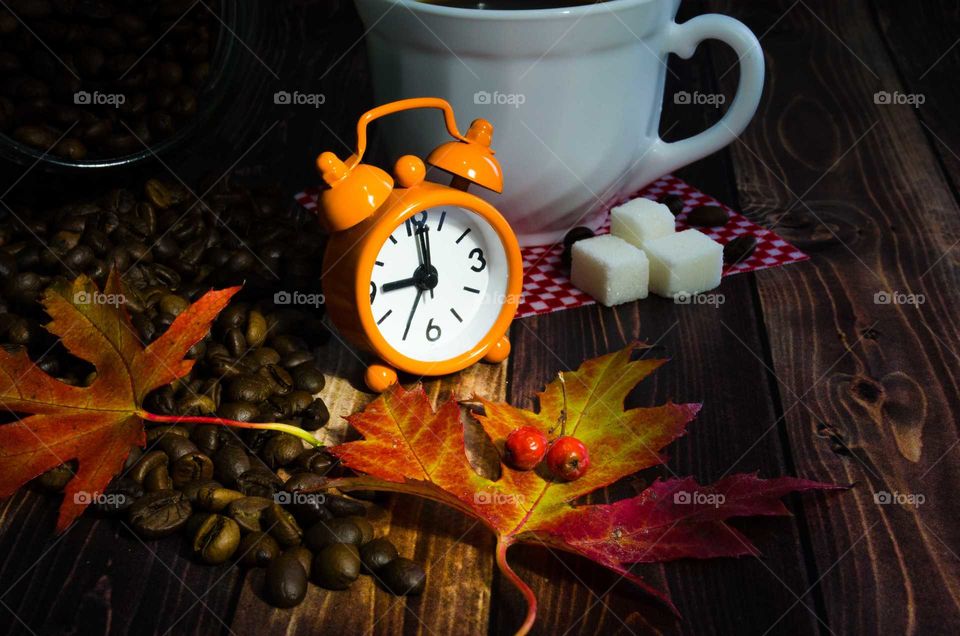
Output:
[[568, 458], [525, 447]]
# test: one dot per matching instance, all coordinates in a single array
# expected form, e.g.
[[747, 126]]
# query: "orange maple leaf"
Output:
[[95, 425]]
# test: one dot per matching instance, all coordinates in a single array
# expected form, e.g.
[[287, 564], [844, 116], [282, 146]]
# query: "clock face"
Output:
[[438, 283]]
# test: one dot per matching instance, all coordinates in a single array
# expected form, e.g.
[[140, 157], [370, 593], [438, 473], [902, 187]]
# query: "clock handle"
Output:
[[396, 107]]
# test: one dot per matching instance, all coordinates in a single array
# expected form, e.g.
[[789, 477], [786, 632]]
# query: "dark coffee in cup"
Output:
[[511, 4]]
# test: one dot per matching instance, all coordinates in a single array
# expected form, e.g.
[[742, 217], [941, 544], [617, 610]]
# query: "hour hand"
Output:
[[398, 284]]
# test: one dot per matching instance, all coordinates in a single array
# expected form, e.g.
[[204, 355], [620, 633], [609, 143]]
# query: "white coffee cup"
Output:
[[574, 95]]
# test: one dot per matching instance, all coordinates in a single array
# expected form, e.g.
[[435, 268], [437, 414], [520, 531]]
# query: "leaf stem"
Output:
[[219, 421], [524, 589]]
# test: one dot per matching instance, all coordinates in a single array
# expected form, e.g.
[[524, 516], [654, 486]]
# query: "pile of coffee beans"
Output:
[[104, 77], [236, 494]]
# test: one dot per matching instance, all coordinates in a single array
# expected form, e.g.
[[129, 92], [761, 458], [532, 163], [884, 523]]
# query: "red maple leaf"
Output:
[[407, 447]]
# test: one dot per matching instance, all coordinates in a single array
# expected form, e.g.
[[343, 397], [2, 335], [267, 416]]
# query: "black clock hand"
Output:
[[416, 301], [398, 284], [423, 234]]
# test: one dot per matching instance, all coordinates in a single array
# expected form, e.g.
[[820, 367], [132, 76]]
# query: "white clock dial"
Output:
[[438, 312]]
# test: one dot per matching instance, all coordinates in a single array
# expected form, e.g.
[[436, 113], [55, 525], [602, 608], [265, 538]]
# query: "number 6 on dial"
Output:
[[426, 277]]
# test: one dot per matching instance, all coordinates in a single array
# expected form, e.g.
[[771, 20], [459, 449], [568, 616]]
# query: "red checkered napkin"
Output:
[[546, 287]]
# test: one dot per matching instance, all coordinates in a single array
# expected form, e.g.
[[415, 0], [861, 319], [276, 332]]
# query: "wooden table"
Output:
[[801, 372]]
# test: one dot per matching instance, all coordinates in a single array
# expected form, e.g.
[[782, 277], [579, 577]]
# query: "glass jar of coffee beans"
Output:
[[109, 82]]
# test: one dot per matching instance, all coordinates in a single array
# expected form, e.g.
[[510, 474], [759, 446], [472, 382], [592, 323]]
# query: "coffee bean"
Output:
[[324, 533], [158, 479], [248, 388], [159, 514], [279, 379], [147, 463], [256, 332], [674, 202], [247, 512], [294, 403], [264, 356], [176, 446], [236, 342], [366, 529], [571, 237], [403, 577], [257, 549], [376, 554], [336, 566], [281, 450], [215, 498], [286, 581], [229, 463], [216, 539], [343, 507], [316, 415], [258, 482], [737, 250], [207, 438], [118, 496], [55, 479], [192, 489], [708, 216], [308, 378], [282, 525], [240, 411], [286, 344], [315, 461], [194, 466], [233, 316], [303, 555], [295, 359]]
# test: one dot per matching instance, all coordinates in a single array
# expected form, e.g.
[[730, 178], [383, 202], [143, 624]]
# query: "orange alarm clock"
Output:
[[425, 277]]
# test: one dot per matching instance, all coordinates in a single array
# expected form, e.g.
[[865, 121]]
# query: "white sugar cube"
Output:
[[688, 262], [641, 220], [609, 269]]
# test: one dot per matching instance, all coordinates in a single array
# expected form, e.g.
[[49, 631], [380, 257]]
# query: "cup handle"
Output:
[[663, 157]]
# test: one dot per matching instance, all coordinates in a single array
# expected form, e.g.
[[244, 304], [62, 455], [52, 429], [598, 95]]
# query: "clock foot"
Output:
[[379, 377], [499, 351]]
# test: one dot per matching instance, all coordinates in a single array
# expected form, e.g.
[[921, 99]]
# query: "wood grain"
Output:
[[874, 385]]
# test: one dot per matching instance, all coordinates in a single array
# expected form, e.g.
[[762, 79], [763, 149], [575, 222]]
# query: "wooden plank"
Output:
[[729, 375], [877, 383], [924, 45], [98, 576]]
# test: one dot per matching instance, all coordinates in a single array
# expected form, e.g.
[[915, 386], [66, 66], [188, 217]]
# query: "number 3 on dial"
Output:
[[478, 254]]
